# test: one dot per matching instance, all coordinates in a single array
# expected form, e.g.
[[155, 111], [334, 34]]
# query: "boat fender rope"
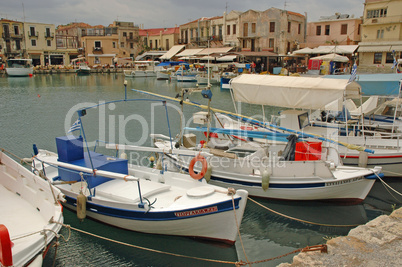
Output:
[[201, 174], [125, 177]]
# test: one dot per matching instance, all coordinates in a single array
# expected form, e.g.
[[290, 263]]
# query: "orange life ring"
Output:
[[203, 170]]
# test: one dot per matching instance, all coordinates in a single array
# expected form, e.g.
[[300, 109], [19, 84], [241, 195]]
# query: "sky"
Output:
[[160, 13]]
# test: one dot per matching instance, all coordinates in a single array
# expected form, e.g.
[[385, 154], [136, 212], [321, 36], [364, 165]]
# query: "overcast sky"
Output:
[[160, 13]]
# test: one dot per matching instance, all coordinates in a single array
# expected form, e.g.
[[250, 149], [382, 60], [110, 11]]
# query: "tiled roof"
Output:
[[157, 31]]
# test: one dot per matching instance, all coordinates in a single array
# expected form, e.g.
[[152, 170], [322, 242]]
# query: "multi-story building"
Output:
[[273, 30], [129, 39], [41, 44], [381, 35], [199, 32], [231, 28], [339, 29], [159, 38], [12, 42]]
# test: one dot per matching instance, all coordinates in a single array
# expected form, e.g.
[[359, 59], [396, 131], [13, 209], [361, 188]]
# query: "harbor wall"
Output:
[[377, 243]]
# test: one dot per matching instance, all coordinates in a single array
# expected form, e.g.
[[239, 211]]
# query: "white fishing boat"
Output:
[[83, 69], [266, 169], [30, 214], [303, 171], [142, 69], [313, 94], [19, 67], [137, 198]]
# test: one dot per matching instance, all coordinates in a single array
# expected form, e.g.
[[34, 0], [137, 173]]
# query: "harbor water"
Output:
[[35, 110]]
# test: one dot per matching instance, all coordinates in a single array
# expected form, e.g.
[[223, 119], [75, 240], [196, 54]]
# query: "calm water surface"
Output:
[[36, 110]]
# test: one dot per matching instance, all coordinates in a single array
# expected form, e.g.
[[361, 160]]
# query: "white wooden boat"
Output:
[[311, 94], [263, 173], [142, 69], [83, 69], [30, 214], [19, 67], [143, 199]]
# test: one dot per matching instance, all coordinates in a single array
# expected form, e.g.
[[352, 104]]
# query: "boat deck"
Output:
[[18, 215]]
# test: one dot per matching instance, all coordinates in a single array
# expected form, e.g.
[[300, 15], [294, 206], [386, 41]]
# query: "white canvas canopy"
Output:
[[332, 57], [291, 91], [172, 52]]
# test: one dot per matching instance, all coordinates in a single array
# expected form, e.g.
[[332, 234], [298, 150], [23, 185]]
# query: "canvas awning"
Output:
[[226, 58], [375, 48], [215, 50], [331, 57], [189, 52], [172, 52], [292, 92]]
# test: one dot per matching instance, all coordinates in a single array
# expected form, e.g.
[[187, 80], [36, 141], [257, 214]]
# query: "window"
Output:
[[114, 44], [124, 34], [156, 44], [244, 43], [17, 44], [289, 26], [122, 44], [272, 27], [252, 27], [47, 32], [377, 58], [234, 29], [97, 44], [327, 27], [32, 31], [33, 42], [49, 42], [344, 29], [318, 30], [150, 44], [271, 42], [16, 30], [389, 58], [97, 60], [299, 29], [131, 45], [220, 30], [380, 34], [228, 30], [377, 13], [245, 29]]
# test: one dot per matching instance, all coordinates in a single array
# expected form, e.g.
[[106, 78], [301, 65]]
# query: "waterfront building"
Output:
[[68, 39], [338, 29], [159, 38], [231, 29], [199, 32], [12, 43], [381, 35], [41, 44], [272, 30]]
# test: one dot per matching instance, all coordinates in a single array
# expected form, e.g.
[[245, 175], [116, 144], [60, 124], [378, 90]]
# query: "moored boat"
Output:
[[30, 214], [19, 67]]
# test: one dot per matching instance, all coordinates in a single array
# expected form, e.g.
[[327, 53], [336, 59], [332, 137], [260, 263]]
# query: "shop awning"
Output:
[[172, 52]]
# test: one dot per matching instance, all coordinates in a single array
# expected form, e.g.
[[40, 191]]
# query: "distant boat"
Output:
[[142, 69], [30, 214], [19, 67], [83, 69]]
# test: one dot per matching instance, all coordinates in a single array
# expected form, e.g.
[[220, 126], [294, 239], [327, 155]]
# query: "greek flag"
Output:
[[76, 126], [353, 74], [395, 63]]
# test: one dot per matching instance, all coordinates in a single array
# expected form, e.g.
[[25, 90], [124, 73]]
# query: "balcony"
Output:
[[132, 38], [33, 34], [16, 36], [97, 50], [49, 35]]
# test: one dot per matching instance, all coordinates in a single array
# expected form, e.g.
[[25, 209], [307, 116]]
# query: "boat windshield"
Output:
[[18, 63]]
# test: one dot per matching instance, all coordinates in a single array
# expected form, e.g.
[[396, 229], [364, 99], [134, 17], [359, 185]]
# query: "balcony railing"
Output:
[[33, 34], [49, 35], [97, 50]]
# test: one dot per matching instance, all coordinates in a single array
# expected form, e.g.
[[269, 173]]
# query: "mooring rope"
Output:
[[300, 220]]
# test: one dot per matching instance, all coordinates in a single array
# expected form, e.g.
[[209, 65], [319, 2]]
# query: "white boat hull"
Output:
[[140, 73], [175, 210], [19, 72], [27, 205], [162, 75]]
